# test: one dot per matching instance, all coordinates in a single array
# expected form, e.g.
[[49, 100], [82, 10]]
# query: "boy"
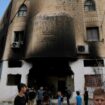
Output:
[[21, 99], [78, 98], [39, 96], [60, 98], [99, 97]]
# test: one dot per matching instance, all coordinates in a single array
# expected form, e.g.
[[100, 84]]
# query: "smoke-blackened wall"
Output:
[[52, 29], [52, 36], [93, 49]]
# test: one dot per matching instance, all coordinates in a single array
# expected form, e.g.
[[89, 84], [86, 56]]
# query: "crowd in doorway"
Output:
[[44, 96]]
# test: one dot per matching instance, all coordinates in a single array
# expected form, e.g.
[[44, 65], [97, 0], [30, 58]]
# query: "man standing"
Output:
[[86, 97], [60, 98], [68, 95], [20, 99], [40, 94], [78, 98], [99, 97]]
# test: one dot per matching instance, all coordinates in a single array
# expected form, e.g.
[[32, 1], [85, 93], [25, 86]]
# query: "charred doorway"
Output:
[[50, 72], [61, 85]]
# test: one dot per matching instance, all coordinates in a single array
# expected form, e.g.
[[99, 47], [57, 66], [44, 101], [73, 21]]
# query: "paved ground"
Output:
[[9, 103], [6, 104]]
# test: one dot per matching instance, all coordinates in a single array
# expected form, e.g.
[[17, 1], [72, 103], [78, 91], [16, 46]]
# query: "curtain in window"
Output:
[[93, 34]]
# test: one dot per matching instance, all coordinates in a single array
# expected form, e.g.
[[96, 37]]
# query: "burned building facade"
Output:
[[54, 43]]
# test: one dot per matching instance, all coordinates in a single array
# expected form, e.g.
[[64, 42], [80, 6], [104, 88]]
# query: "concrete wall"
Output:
[[80, 71], [9, 92]]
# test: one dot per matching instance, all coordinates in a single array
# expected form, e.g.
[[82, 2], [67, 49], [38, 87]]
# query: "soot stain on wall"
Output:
[[93, 49], [58, 40]]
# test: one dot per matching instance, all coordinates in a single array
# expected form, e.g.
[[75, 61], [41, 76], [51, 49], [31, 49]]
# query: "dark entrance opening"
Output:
[[43, 69], [61, 85]]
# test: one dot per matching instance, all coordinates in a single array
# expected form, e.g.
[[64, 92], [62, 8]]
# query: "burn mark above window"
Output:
[[13, 79], [89, 5], [94, 63], [14, 63]]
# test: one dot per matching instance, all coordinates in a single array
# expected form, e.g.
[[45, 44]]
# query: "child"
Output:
[[78, 98], [21, 99], [60, 98], [99, 97]]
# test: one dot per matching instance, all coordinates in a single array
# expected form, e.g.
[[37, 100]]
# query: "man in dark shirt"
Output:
[[20, 99]]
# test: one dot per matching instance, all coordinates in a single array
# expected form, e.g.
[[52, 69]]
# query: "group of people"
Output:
[[79, 98], [98, 97], [43, 96], [27, 96]]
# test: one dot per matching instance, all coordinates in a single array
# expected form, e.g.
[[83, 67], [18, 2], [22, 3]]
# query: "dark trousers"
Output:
[[68, 101], [86, 102], [39, 102]]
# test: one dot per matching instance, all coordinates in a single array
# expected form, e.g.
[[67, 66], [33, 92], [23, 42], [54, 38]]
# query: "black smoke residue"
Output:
[[58, 41], [2, 44], [43, 68], [93, 49], [19, 53]]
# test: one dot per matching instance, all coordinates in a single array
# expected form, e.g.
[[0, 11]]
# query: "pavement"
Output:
[[5, 103], [54, 103]]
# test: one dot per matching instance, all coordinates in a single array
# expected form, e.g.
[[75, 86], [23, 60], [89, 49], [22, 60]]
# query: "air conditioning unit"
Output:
[[16, 45], [82, 49]]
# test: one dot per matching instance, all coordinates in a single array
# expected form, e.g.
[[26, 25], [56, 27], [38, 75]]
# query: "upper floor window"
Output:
[[89, 5], [18, 39], [18, 36], [22, 10], [92, 33]]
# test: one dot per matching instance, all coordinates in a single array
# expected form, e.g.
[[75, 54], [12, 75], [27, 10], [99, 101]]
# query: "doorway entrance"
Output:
[[61, 85], [48, 73]]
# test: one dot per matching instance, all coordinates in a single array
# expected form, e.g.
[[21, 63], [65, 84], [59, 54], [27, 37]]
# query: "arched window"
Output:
[[22, 10], [89, 5]]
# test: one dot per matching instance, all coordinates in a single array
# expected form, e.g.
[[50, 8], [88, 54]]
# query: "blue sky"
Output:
[[3, 6]]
